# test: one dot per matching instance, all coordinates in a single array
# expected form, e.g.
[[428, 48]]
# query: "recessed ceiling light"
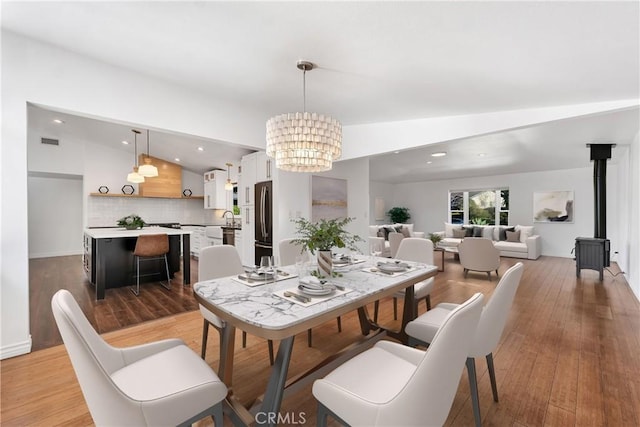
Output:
[[125, 142], [58, 121], [429, 162], [200, 149], [396, 152], [439, 154], [177, 159], [482, 154]]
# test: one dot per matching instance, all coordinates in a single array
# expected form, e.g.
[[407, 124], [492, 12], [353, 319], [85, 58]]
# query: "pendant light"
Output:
[[304, 142], [148, 170], [134, 176], [228, 185]]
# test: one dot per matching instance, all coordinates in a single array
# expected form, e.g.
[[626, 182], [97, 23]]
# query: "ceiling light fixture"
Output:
[[134, 176], [148, 170], [228, 185], [439, 154], [58, 121], [200, 149], [304, 142], [125, 142], [177, 159]]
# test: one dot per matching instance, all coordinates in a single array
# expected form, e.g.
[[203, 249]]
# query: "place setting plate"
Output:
[[393, 267]]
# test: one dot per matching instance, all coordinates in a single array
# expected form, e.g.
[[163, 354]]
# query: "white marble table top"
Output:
[[113, 233], [260, 307]]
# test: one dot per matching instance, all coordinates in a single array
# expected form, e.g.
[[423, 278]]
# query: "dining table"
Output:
[[278, 307]]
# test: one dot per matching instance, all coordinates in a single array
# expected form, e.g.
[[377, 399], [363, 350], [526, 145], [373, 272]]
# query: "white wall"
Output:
[[629, 253], [385, 191], [428, 203], [55, 215]]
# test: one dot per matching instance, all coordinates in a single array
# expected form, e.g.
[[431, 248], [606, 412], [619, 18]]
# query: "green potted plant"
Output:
[[399, 215], [324, 235], [131, 222], [435, 238]]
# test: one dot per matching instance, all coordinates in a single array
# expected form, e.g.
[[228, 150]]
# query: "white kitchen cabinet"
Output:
[[237, 241], [215, 196], [197, 239], [265, 167], [246, 184], [247, 250]]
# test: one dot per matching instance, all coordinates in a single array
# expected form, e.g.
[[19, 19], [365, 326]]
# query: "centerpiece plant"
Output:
[[324, 235], [131, 222]]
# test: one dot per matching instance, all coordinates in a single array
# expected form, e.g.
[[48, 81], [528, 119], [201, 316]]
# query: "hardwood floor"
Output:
[[569, 355], [120, 307]]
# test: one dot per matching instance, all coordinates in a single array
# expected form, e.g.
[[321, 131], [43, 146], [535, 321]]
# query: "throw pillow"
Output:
[[468, 231], [381, 233], [503, 233], [458, 234], [388, 230], [513, 236], [408, 226], [478, 231], [525, 232], [405, 231], [487, 232], [448, 229]]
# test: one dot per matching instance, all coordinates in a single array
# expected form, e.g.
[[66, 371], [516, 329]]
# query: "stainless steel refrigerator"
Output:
[[264, 220]]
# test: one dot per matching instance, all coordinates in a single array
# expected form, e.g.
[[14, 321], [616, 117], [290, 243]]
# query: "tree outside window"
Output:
[[481, 207]]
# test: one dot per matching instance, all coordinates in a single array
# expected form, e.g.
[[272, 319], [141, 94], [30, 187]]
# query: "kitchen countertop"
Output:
[[112, 233]]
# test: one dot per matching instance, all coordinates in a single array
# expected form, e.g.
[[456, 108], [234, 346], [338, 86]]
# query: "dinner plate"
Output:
[[326, 290], [260, 276], [392, 267], [340, 261]]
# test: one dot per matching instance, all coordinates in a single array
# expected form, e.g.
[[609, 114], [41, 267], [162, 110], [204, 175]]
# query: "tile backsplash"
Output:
[[106, 211]]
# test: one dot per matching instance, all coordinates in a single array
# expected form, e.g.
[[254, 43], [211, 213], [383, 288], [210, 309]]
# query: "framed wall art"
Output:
[[328, 198], [553, 206]]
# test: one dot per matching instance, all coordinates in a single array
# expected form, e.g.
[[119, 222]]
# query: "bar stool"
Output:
[[151, 247]]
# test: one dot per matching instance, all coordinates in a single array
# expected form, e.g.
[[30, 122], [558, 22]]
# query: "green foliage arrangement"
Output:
[[131, 222], [399, 215], [435, 238], [325, 234]]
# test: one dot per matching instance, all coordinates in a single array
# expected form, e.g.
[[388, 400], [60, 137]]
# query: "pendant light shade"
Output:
[[228, 185], [148, 170], [304, 142], [134, 177]]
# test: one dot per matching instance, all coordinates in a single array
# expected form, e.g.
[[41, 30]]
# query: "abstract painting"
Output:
[[328, 198], [553, 206]]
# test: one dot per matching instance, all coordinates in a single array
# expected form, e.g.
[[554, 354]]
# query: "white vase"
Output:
[[325, 263]]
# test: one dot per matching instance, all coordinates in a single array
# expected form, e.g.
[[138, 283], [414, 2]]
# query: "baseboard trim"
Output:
[[54, 254], [16, 349]]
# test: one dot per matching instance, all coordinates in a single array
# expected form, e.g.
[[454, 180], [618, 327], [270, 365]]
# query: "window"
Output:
[[482, 207]]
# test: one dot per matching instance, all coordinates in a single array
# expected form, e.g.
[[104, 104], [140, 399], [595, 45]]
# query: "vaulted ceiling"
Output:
[[378, 62]]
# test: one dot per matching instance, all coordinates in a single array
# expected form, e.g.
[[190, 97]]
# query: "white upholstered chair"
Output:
[[160, 383], [492, 321], [213, 262], [289, 251], [394, 243], [418, 250], [479, 254], [395, 385]]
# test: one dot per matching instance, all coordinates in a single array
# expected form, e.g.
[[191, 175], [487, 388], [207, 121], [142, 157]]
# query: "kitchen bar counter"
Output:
[[109, 261]]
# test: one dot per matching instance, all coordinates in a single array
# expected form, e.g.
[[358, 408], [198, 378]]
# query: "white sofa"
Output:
[[528, 246], [378, 240]]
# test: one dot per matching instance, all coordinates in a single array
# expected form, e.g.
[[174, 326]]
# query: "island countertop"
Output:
[[113, 233]]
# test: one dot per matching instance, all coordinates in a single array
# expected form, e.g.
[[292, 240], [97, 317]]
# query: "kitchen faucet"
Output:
[[233, 218]]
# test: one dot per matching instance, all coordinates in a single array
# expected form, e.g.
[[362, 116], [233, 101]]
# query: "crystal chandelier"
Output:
[[304, 142]]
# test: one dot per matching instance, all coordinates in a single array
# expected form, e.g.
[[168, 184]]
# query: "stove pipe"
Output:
[[600, 153]]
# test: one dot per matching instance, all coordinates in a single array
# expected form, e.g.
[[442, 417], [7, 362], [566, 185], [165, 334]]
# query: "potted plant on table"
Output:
[[131, 222], [324, 235], [399, 215]]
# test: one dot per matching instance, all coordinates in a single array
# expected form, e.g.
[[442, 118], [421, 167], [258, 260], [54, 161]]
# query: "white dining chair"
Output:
[[214, 262], [479, 254], [394, 242], [414, 249], [424, 329], [395, 385], [289, 251], [159, 383]]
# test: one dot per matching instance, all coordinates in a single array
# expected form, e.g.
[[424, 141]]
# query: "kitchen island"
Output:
[[109, 262]]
